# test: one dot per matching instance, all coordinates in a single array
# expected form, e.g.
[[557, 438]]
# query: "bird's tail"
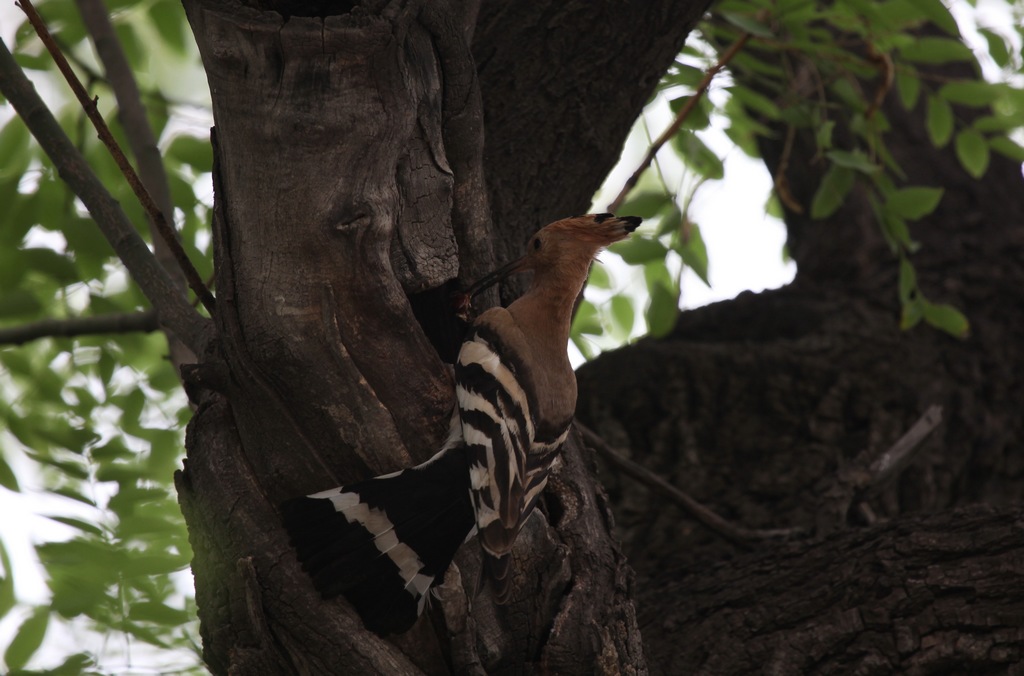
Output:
[[383, 543]]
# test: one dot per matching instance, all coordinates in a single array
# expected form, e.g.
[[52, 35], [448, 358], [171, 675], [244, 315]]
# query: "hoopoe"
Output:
[[385, 542]]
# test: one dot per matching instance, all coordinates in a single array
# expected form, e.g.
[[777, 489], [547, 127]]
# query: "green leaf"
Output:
[[911, 314], [855, 159], [7, 478], [662, 310], [997, 123], [49, 262], [756, 101], [972, 151], [77, 524], [14, 148], [914, 202], [748, 24], [830, 195], [997, 48], [599, 277], [656, 272], [699, 116], [909, 88], [1008, 147], [936, 50], [824, 135], [970, 92], [586, 320], [192, 151], [936, 12], [897, 233], [908, 281], [645, 204], [75, 665], [669, 220], [28, 639], [684, 74], [158, 613], [940, 121], [695, 253], [697, 155], [947, 318], [7, 596], [623, 316], [639, 250], [169, 19], [19, 303]]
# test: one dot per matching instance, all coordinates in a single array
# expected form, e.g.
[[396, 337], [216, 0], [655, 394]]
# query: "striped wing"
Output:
[[508, 466], [497, 430]]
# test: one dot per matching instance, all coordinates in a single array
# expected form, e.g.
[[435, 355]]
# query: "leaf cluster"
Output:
[[855, 52], [92, 426]]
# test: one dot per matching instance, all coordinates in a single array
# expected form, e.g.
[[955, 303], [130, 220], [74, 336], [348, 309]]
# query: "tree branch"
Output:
[[172, 306], [132, 115], [89, 105], [737, 535], [70, 327], [684, 112], [899, 455]]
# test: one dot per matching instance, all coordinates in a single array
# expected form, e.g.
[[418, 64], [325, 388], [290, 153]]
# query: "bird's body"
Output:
[[386, 541]]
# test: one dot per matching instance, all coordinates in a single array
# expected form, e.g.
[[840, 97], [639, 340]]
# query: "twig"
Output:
[[899, 455], [174, 310], [132, 115], [738, 535], [89, 105], [70, 327], [678, 122]]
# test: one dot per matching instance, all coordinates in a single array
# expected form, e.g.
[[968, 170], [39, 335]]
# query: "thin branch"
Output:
[[132, 114], [738, 535], [174, 310], [89, 105], [680, 118], [128, 322], [900, 454]]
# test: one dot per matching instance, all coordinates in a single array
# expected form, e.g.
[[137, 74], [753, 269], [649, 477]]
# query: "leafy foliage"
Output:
[[92, 426], [859, 50]]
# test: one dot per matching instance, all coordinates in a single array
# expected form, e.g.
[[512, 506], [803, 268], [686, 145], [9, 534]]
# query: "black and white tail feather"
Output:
[[385, 542]]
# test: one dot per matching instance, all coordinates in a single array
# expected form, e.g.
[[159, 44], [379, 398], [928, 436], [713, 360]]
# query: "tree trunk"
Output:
[[772, 408], [350, 198]]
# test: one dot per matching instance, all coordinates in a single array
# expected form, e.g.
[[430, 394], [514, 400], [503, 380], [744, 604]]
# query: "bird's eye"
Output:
[[536, 243]]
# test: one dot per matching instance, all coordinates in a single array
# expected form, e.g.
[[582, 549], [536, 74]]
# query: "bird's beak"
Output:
[[493, 278]]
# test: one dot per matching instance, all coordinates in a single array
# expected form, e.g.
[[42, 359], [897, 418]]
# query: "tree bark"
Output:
[[770, 408], [936, 594], [350, 198]]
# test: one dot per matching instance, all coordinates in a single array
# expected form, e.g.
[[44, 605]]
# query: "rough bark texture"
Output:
[[764, 407], [935, 595], [350, 196]]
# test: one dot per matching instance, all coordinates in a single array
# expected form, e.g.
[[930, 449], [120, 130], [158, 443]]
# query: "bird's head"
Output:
[[565, 247]]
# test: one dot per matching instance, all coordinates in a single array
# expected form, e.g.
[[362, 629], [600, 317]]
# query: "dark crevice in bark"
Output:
[[435, 311]]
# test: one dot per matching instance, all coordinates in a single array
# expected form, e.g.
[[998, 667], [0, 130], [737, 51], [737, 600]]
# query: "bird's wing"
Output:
[[498, 432]]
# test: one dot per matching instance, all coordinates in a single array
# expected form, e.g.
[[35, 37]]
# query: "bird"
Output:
[[385, 542]]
